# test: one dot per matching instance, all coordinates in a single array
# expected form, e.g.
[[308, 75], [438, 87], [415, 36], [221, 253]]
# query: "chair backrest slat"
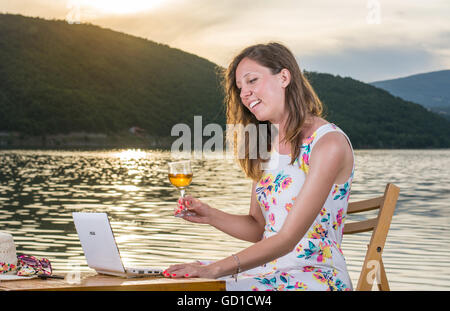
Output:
[[364, 206], [380, 226], [360, 226]]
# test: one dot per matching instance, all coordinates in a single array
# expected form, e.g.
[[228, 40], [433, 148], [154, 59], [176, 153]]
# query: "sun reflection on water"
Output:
[[130, 154]]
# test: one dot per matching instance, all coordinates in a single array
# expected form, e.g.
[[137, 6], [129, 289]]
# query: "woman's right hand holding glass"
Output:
[[199, 212]]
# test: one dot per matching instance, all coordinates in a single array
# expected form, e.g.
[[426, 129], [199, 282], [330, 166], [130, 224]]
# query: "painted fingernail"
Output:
[[186, 275], [173, 274]]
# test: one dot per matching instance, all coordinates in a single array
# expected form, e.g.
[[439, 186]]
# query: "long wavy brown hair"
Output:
[[301, 100]]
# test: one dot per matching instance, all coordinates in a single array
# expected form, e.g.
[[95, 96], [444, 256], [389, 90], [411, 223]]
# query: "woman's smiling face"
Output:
[[262, 92]]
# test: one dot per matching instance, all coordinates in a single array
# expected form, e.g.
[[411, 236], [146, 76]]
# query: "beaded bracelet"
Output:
[[238, 269]]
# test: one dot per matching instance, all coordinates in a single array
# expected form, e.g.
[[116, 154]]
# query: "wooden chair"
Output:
[[373, 267]]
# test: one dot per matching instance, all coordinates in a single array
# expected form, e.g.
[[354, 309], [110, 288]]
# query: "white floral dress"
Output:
[[317, 261]]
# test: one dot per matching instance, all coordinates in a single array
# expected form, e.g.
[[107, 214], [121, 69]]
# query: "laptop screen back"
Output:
[[98, 243]]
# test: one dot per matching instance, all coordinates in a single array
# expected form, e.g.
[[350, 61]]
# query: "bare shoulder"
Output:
[[333, 146], [332, 141]]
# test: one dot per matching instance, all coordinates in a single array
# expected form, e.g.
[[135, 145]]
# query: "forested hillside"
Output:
[[58, 78]]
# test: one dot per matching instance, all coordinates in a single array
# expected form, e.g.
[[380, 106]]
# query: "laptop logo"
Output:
[[91, 232]]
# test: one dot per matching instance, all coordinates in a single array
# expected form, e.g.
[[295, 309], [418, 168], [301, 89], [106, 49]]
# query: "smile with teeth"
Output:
[[254, 103]]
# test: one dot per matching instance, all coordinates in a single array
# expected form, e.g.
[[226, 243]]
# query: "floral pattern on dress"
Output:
[[304, 160], [272, 219], [324, 215], [269, 228], [328, 278], [268, 185], [279, 282], [339, 221], [304, 157], [265, 204], [318, 232], [320, 252], [342, 191], [288, 207]]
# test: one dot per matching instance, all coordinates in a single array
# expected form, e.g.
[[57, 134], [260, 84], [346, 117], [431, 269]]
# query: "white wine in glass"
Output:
[[180, 175]]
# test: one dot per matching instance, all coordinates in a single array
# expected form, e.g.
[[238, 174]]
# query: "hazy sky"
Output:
[[368, 40]]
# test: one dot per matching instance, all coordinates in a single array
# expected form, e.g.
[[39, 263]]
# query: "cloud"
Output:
[[372, 64], [42, 8], [326, 35], [218, 29]]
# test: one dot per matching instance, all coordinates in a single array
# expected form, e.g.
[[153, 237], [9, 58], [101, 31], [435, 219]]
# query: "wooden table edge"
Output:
[[133, 285]]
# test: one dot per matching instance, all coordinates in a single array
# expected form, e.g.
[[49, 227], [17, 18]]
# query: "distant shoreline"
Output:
[[122, 140], [84, 141], [94, 142]]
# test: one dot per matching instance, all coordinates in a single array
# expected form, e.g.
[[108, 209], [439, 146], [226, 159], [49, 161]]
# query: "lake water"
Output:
[[40, 189]]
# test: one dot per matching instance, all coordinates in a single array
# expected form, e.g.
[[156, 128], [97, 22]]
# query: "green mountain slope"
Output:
[[57, 78], [60, 78], [374, 118], [431, 90]]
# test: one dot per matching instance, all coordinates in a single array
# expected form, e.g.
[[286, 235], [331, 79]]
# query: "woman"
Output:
[[299, 203]]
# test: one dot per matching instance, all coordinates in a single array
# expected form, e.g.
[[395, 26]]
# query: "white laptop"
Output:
[[100, 247]]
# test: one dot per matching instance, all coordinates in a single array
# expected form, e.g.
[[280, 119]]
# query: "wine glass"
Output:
[[180, 175]]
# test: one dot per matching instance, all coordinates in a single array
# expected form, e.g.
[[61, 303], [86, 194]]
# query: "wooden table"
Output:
[[96, 282]]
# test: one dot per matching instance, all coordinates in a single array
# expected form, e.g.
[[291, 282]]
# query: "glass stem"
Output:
[[182, 193]]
